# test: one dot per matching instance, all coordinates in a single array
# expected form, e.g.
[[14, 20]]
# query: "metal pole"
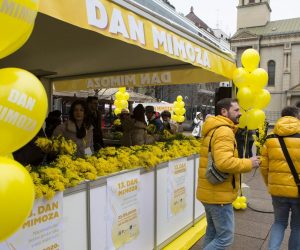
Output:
[[155, 208], [194, 191], [88, 215]]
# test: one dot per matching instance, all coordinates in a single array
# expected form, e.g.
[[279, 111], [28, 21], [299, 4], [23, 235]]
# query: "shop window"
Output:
[[271, 73]]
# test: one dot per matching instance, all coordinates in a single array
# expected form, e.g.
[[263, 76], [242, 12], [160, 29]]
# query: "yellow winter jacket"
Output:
[[223, 148], [274, 168]]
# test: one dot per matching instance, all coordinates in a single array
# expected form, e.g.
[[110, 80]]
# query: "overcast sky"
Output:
[[223, 12]]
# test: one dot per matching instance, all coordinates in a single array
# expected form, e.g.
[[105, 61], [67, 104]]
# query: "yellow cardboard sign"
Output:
[[112, 20]]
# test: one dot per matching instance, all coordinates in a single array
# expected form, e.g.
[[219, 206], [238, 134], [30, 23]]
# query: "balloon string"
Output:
[[244, 156]]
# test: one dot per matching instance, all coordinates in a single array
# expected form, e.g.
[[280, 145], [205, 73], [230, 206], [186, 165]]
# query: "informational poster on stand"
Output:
[[43, 228], [123, 202], [177, 182]]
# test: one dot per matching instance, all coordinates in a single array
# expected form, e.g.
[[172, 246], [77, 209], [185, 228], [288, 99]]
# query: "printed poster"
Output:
[[177, 186], [123, 199], [43, 228]]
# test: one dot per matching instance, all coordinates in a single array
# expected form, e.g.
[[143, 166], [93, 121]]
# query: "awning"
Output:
[[175, 75], [133, 45]]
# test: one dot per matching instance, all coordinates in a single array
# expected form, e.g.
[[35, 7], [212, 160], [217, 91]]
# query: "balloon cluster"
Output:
[[252, 98], [23, 107], [121, 100], [178, 110], [240, 203]]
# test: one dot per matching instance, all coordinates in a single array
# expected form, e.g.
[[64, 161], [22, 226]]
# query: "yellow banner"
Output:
[[183, 75], [114, 21]]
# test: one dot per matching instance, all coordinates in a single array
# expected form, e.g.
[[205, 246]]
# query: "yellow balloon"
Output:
[[16, 26], [119, 95], [117, 111], [16, 195], [243, 120], [117, 103], [23, 108], [180, 118], [176, 105], [126, 96], [174, 118], [181, 104], [262, 99], [236, 204], [181, 111], [122, 89], [245, 97], [176, 111], [124, 104], [250, 59], [256, 118], [243, 199], [10, 156], [179, 98], [243, 205], [259, 78], [240, 77]]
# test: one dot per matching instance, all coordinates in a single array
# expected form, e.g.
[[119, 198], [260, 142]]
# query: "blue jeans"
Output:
[[220, 226], [282, 207]]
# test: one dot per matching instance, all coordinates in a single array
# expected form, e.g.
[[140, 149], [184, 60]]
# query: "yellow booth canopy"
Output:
[[134, 49]]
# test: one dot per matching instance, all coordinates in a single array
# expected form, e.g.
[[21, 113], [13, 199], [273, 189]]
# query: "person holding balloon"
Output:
[[78, 128], [280, 170], [219, 139]]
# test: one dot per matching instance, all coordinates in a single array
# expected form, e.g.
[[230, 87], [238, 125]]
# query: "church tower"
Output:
[[253, 13]]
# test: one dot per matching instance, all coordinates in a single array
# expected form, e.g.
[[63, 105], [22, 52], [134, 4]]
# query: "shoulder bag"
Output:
[[213, 175]]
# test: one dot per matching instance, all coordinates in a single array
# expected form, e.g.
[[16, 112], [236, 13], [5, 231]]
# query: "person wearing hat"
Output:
[[198, 123], [167, 122], [154, 118]]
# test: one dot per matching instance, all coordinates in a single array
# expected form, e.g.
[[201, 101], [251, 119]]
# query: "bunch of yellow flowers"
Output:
[[259, 140], [68, 171], [57, 145]]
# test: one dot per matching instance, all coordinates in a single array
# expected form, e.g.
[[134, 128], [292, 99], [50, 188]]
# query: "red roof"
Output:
[[197, 21]]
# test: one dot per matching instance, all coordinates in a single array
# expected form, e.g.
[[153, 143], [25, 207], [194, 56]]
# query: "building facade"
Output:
[[197, 97], [278, 43]]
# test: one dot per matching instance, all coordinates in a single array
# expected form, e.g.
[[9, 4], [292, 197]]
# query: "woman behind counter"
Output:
[[78, 128]]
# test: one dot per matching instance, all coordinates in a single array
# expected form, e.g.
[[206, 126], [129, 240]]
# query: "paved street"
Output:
[[252, 228]]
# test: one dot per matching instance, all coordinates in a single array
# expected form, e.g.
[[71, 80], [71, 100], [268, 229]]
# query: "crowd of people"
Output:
[[279, 165], [225, 154], [84, 128]]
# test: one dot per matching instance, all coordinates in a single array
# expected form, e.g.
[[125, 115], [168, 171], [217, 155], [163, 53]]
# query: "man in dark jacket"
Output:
[[95, 119]]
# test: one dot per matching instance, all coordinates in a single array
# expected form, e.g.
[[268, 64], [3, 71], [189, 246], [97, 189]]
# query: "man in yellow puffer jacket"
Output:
[[279, 179], [217, 199]]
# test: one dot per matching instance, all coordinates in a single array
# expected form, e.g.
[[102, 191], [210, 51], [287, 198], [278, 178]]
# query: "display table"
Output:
[[85, 211]]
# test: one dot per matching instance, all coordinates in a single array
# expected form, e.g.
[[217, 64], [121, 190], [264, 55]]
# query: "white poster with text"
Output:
[[177, 186], [43, 228], [123, 201]]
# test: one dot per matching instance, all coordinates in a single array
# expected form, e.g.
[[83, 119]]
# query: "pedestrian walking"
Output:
[[280, 169], [198, 123], [219, 179]]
